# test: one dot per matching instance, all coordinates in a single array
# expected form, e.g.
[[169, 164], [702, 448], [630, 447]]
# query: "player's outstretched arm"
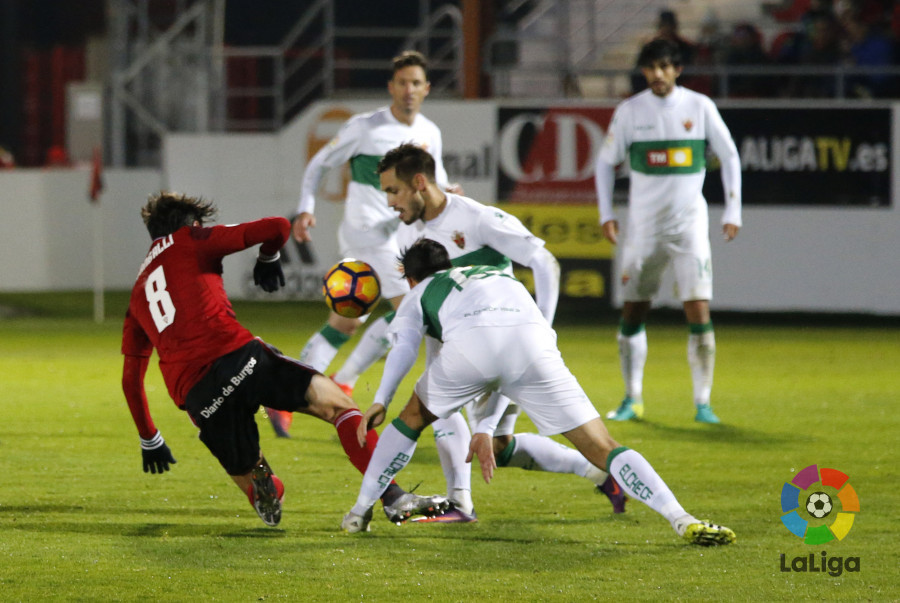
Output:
[[155, 454], [267, 273]]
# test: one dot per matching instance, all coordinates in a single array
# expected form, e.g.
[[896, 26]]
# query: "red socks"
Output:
[[346, 425]]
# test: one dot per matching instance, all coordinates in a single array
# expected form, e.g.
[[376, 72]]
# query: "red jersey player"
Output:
[[214, 368]]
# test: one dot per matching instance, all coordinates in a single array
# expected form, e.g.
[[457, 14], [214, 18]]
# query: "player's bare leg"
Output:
[[638, 478], [318, 353]]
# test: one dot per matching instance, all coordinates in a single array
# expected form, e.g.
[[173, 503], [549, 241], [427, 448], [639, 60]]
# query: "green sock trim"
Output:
[[333, 336], [614, 454], [390, 316], [406, 430], [628, 329], [700, 329], [503, 457]]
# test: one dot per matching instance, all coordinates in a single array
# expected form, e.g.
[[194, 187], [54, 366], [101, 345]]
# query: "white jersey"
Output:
[[664, 142], [475, 234], [363, 140], [495, 340], [449, 303], [463, 298]]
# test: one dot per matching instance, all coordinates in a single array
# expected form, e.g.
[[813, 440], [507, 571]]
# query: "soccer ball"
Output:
[[818, 504], [351, 288]]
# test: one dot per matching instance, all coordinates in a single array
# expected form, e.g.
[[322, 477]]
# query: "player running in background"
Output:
[[367, 231], [476, 234], [213, 367], [662, 134], [494, 339]]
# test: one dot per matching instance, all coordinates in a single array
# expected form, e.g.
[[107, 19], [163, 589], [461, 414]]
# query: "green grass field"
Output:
[[80, 521]]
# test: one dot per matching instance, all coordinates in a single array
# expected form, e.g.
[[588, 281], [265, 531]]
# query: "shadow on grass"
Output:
[[726, 434], [41, 518], [146, 530]]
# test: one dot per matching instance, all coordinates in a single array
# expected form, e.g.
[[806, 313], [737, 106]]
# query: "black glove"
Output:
[[267, 273], [156, 454]]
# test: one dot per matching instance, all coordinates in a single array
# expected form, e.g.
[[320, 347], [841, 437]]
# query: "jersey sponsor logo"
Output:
[[229, 389], [663, 157], [460, 239], [678, 157]]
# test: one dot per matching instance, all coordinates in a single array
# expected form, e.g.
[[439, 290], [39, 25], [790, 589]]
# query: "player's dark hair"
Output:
[[410, 58], [660, 49], [423, 258], [408, 160], [166, 212]]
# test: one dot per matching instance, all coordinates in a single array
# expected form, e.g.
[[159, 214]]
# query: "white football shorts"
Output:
[[522, 362], [644, 260]]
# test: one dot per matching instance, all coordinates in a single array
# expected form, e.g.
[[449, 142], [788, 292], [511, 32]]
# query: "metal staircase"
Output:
[[175, 73]]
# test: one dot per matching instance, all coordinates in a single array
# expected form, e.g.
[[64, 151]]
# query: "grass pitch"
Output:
[[80, 521]]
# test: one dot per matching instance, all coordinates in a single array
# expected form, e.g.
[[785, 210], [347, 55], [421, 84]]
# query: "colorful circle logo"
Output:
[[818, 505]]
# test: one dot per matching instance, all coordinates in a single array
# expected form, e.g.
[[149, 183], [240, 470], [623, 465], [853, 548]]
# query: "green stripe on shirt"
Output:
[[363, 170], [662, 157]]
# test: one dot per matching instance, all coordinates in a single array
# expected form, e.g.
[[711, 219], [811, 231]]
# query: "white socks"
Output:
[[318, 353], [373, 345], [701, 352], [393, 452], [633, 358], [452, 437], [534, 452], [641, 482]]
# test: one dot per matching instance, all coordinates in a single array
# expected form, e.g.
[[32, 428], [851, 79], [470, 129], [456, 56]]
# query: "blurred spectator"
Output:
[[786, 10], [745, 49], [712, 44], [866, 45], [667, 29], [817, 44], [710, 49]]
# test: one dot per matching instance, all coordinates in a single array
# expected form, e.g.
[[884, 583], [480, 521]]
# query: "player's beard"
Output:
[[416, 210]]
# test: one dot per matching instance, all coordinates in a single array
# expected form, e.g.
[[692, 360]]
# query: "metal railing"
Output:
[[186, 79], [746, 81]]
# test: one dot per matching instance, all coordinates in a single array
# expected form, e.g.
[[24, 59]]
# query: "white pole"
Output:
[[99, 311]]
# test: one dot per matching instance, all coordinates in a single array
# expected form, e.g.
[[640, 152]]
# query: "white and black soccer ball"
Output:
[[818, 504]]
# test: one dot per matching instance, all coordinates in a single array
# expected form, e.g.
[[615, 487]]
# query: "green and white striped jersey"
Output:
[[475, 234], [363, 140], [663, 142], [463, 298]]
